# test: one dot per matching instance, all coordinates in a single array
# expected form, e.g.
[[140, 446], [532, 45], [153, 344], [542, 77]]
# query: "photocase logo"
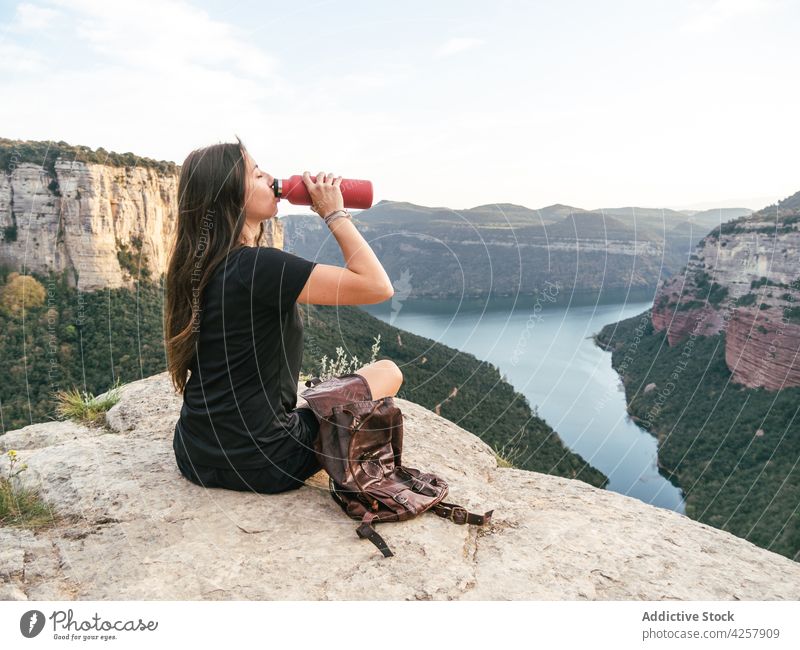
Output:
[[31, 623], [549, 294], [402, 290], [67, 628]]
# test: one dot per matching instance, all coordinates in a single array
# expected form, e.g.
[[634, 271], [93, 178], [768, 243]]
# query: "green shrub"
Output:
[[746, 300], [85, 407], [21, 506], [717, 294], [342, 365], [132, 259], [45, 153], [702, 279], [691, 304]]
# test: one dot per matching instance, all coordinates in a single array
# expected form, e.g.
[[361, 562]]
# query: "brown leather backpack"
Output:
[[360, 445]]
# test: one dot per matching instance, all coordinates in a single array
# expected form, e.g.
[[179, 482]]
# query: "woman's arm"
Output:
[[364, 280]]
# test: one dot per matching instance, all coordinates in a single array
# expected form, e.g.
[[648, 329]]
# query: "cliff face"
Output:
[[743, 280], [132, 527], [81, 216]]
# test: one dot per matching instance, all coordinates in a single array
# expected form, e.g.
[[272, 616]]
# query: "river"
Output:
[[547, 354]]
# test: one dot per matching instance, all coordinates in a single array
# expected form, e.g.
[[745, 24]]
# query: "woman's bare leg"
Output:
[[384, 378]]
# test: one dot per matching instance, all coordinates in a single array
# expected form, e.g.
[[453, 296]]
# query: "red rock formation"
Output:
[[761, 349], [743, 280], [680, 323]]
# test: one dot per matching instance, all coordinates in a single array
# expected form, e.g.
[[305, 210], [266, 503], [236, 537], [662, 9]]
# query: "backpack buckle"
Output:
[[458, 515]]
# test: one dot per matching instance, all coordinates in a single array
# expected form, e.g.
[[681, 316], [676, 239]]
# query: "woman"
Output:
[[232, 323]]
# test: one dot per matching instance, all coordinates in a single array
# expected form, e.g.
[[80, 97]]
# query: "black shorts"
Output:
[[301, 462]]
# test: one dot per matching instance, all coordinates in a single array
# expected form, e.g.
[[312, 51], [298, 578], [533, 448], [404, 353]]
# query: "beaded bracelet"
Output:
[[338, 214]]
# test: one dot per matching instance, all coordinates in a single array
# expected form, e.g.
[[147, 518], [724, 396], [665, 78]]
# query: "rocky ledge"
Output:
[[133, 528]]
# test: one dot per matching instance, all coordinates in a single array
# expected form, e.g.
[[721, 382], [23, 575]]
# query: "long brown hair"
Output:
[[211, 194]]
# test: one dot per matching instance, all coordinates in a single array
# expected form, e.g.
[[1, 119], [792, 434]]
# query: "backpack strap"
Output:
[[450, 511], [459, 515], [366, 531]]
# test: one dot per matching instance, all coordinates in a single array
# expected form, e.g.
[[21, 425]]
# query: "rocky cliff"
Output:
[[744, 281], [105, 224], [129, 526]]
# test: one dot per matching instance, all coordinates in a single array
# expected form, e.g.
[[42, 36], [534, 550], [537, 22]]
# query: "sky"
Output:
[[666, 104]]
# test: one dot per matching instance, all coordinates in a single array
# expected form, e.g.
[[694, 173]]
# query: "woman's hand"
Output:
[[326, 196]]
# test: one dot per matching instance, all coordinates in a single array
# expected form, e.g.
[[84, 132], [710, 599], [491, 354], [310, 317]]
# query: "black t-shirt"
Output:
[[238, 405]]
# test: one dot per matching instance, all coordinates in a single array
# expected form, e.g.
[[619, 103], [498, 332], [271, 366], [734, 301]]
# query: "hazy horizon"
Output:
[[682, 105]]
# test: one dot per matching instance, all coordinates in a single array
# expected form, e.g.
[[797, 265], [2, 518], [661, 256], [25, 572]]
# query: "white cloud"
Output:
[[456, 45], [160, 79], [29, 17], [155, 78], [16, 58], [709, 17], [156, 34]]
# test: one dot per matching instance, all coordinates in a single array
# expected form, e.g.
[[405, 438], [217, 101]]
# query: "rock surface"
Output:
[[79, 220], [744, 280], [762, 351], [139, 530]]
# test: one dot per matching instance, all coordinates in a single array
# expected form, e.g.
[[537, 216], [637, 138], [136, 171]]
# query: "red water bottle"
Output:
[[356, 193]]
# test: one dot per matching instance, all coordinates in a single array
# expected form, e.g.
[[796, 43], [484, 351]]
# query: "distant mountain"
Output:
[[105, 218], [506, 250], [701, 223], [651, 215], [676, 220], [716, 217], [492, 214]]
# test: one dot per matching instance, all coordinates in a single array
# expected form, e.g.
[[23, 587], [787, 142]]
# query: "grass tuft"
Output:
[[20, 506], [85, 407]]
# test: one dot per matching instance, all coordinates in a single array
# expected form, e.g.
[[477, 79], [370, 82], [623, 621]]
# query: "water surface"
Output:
[[547, 354]]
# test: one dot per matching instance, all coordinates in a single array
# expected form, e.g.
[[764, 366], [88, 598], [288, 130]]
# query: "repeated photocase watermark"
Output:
[[720, 319], [687, 354], [665, 391], [402, 290], [346, 388], [10, 232], [727, 312], [631, 352], [402, 287], [776, 336], [546, 296], [52, 346], [206, 225], [299, 228]]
